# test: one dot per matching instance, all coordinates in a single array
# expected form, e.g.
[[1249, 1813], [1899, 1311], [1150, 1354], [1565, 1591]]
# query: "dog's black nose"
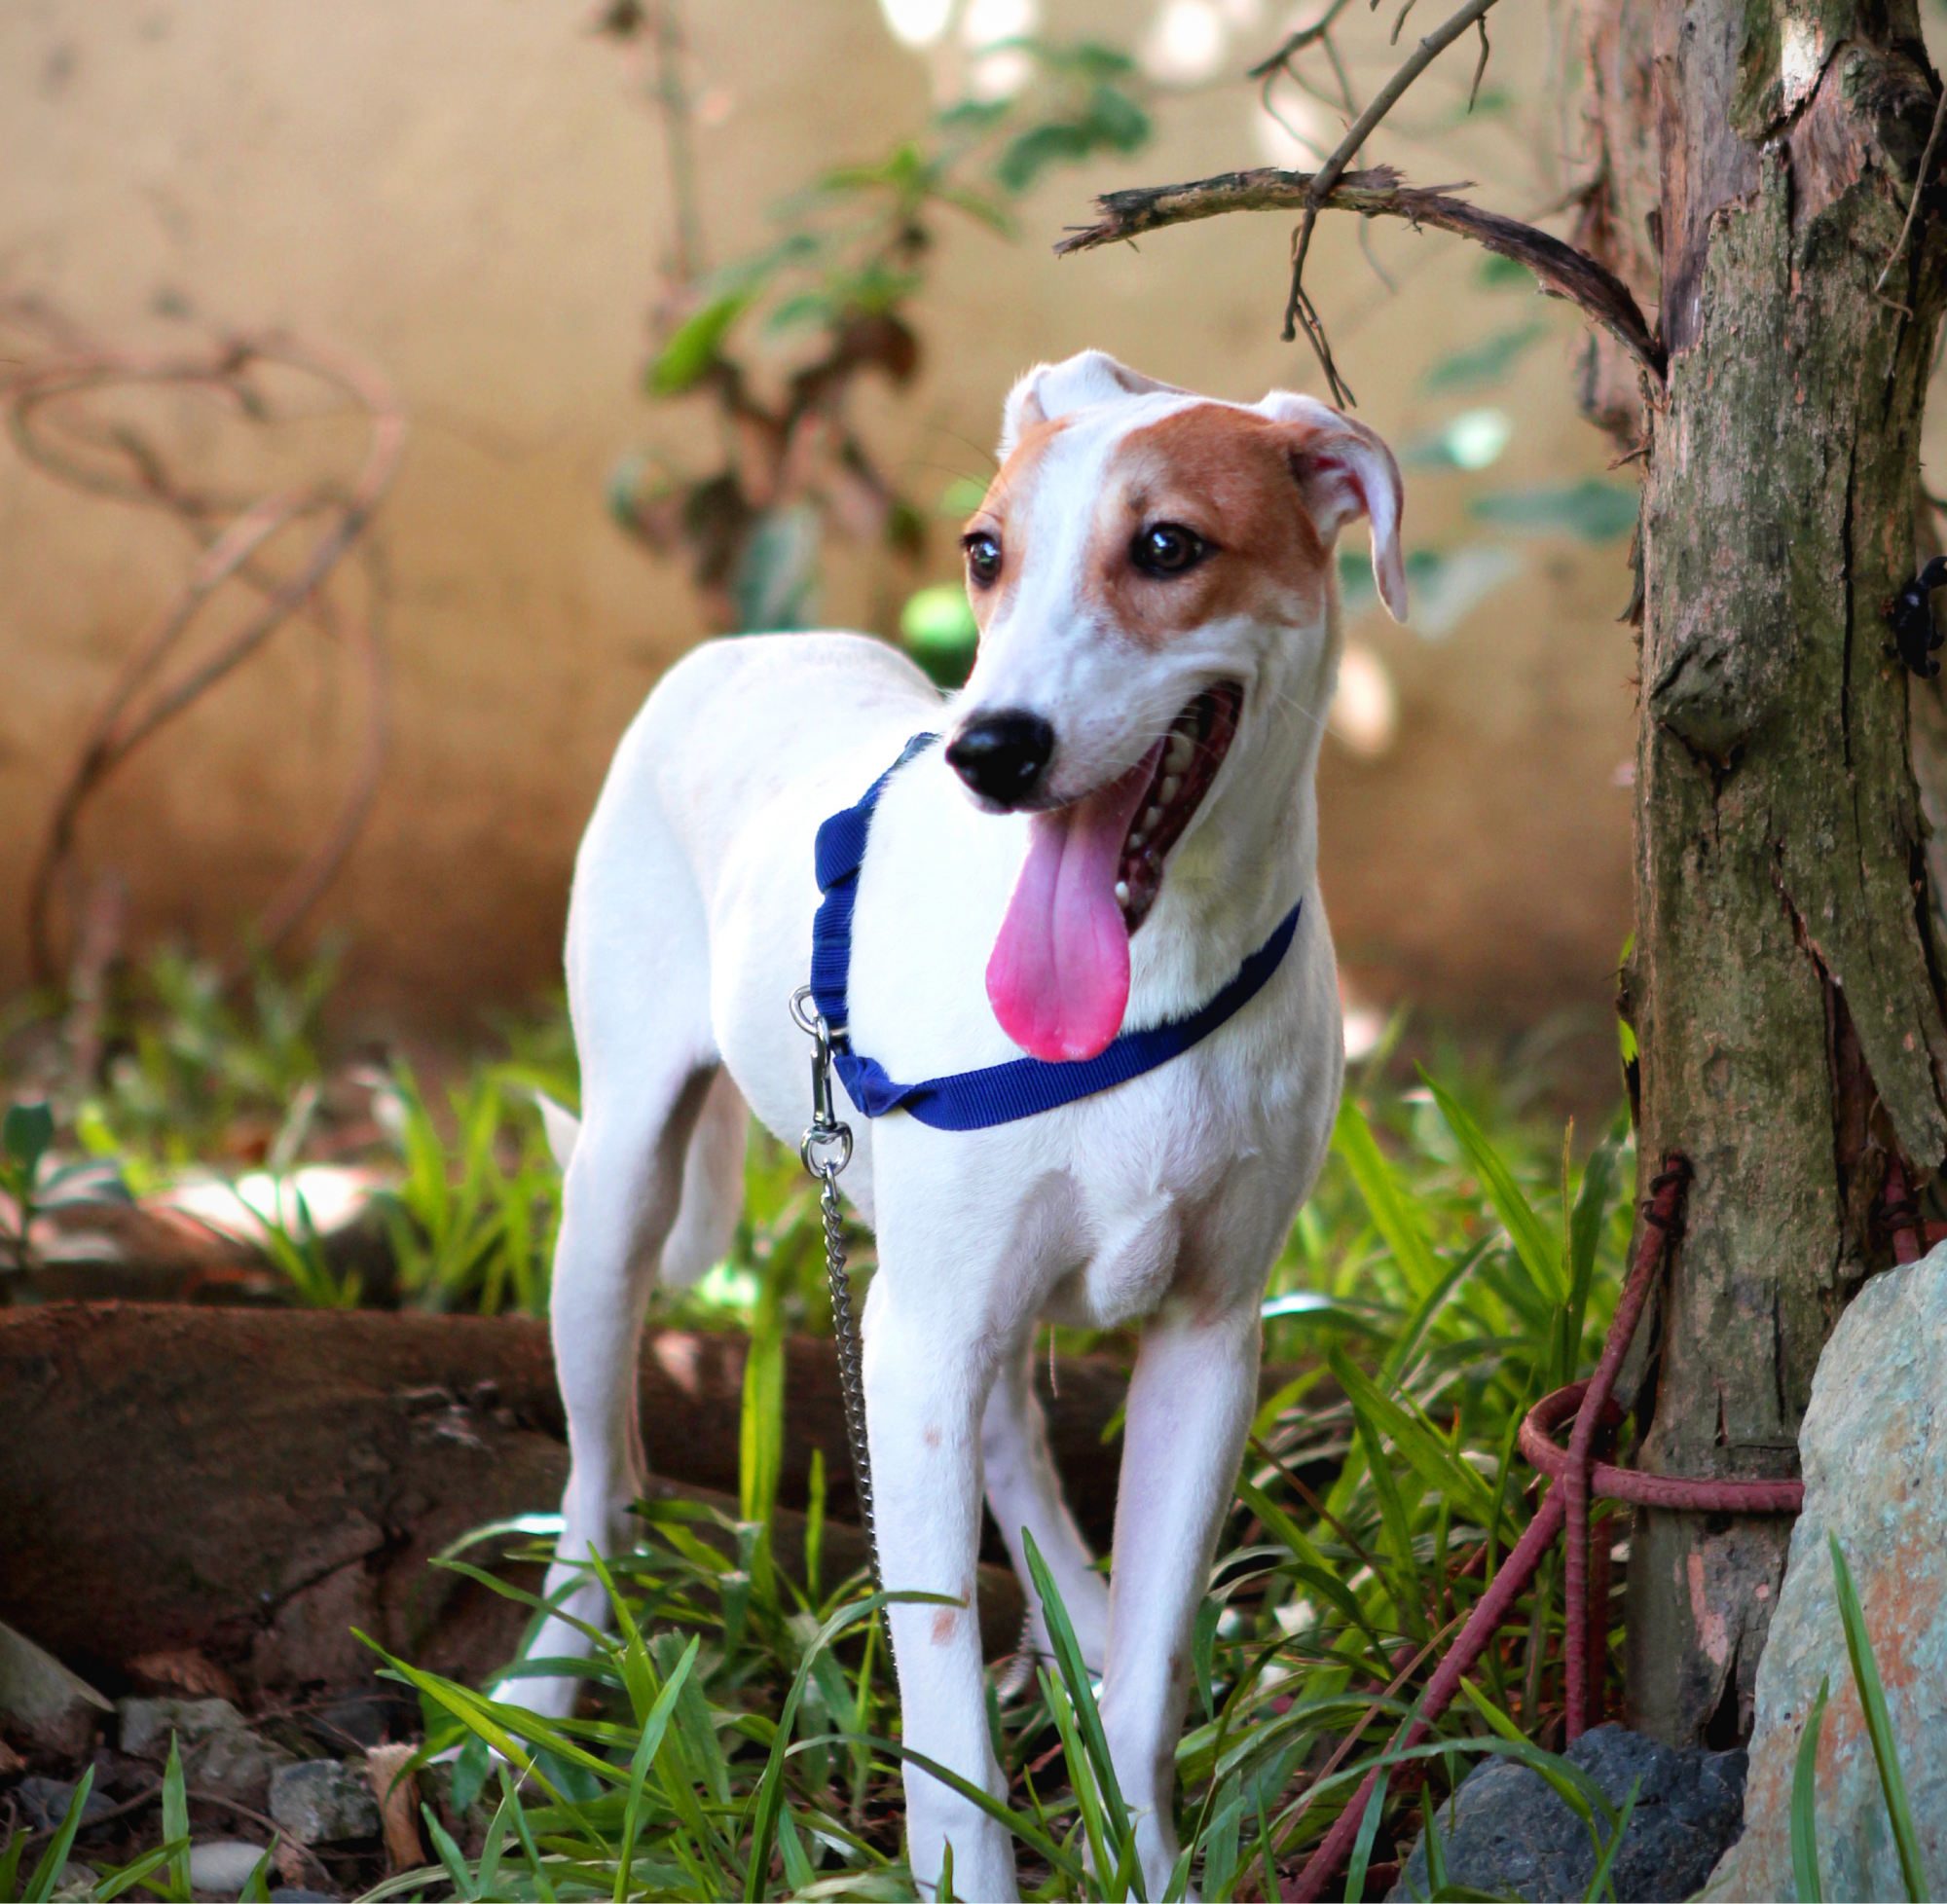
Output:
[[1000, 756]]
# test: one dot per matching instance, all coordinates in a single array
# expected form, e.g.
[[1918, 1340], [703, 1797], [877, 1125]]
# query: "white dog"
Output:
[[1153, 576]]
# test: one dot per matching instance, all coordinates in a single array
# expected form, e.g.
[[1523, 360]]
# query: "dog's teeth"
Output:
[[1177, 756], [1152, 820], [1121, 891], [1171, 788]]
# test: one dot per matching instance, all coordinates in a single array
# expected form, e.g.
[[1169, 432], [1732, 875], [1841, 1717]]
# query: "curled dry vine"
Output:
[[45, 394]]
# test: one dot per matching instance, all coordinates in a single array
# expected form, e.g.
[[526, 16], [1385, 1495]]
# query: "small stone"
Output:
[[45, 1800], [41, 1702], [322, 1802], [1873, 1449], [147, 1723], [1506, 1832], [219, 1752], [223, 1865]]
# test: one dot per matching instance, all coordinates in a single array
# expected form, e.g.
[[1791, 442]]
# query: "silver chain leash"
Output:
[[826, 1150]]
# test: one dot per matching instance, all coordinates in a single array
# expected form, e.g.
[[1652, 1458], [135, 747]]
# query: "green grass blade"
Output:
[[1075, 1676], [1879, 1726], [1805, 1880], [450, 1855], [176, 1816], [1392, 1212], [1600, 1883], [47, 1873], [1537, 1250], [113, 1883], [1436, 1851], [1362, 1845], [647, 1748]]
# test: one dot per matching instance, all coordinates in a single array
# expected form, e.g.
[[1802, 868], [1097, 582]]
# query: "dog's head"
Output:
[[1151, 572]]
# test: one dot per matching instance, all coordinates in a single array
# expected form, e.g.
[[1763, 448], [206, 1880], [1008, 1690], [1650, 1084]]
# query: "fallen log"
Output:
[[251, 1485]]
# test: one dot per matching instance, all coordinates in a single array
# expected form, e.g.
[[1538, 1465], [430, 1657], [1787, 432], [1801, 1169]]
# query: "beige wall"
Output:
[[470, 195]]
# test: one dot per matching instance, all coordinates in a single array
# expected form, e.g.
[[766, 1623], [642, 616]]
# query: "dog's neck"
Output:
[[1253, 853]]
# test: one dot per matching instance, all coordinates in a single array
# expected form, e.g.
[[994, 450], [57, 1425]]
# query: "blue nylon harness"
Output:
[[1001, 1093]]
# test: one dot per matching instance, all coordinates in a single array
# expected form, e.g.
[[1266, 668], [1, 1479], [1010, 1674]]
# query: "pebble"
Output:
[[147, 1723], [45, 1800], [224, 1865], [321, 1801]]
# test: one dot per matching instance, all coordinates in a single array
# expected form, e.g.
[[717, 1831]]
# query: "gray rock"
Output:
[[219, 1752], [321, 1801], [223, 1865], [45, 1800], [147, 1723], [41, 1702], [1505, 1831], [1873, 1448]]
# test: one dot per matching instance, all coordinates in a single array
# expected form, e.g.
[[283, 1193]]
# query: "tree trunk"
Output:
[[1782, 983]]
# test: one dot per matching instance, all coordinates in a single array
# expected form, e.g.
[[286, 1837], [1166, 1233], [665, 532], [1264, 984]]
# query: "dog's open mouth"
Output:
[[1059, 978], [1198, 739]]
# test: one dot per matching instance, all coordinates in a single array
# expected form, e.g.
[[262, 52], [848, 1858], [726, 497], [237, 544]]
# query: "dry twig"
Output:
[[1378, 192], [1561, 270]]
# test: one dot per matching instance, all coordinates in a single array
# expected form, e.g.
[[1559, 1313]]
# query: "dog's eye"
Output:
[[984, 558], [1167, 549]]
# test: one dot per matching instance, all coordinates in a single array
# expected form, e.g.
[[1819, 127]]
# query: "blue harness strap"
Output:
[[1001, 1093]]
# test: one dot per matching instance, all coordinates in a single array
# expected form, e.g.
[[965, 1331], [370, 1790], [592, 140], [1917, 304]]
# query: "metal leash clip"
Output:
[[827, 1148]]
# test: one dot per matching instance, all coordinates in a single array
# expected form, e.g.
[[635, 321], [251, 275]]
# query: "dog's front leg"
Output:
[[927, 1368], [1190, 1409]]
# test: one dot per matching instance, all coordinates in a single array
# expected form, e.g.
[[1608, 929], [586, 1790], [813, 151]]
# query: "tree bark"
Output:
[[1784, 983]]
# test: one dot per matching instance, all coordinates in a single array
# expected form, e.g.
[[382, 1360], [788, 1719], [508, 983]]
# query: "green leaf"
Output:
[[1600, 1883], [695, 346], [1424, 1452], [1592, 509], [1529, 1234], [176, 1816], [1879, 1726], [26, 1133], [47, 1873], [1486, 362], [1393, 1216], [1805, 1880], [1362, 1845], [1087, 1715]]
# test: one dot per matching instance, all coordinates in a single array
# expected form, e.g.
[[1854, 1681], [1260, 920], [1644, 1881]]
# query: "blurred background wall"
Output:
[[472, 197]]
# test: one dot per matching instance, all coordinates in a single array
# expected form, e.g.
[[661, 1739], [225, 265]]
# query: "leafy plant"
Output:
[[777, 341], [472, 1221], [33, 1184]]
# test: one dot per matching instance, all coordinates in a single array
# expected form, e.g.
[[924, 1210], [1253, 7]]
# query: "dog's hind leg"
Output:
[[655, 1123], [1024, 1490]]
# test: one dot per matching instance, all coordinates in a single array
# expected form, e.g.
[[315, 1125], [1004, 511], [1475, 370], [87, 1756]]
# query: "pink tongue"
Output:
[[1058, 978]]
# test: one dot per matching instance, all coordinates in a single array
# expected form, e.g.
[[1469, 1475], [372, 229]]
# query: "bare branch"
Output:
[[1295, 43], [1378, 193], [1298, 308]]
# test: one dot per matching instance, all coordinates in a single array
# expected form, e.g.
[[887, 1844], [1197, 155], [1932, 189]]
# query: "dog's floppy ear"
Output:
[[1051, 391], [1343, 470]]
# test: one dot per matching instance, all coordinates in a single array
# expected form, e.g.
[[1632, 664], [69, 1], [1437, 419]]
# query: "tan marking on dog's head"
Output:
[[942, 1625], [1005, 514], [931, 1437], [1226, 474]]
